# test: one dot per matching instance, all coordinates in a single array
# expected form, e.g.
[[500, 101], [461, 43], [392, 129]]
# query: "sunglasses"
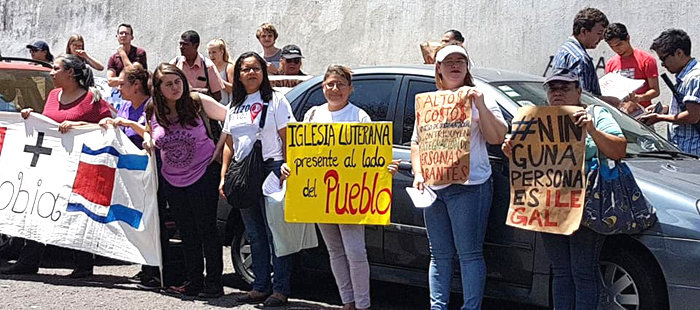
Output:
[[34, 50], [293, 60]]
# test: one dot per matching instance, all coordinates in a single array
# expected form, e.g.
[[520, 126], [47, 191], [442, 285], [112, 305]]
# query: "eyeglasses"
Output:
[[459, 62], [293, 60], [123, 33], [254, 69], [663, 58], [331, 85]]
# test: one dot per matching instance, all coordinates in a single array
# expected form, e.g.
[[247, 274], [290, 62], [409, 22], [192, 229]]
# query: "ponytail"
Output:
[[82, 74]]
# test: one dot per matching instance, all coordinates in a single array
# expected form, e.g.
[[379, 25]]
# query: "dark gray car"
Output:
[[657, 269]]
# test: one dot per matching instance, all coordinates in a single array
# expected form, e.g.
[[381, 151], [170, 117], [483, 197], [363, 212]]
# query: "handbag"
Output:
[[614, 202], [243, 179]]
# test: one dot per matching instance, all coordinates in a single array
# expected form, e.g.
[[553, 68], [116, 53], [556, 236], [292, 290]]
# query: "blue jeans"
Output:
[[456, 225], [261, 246], [575, 272]]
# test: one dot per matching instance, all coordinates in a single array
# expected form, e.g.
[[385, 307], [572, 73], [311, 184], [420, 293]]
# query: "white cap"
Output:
[[450, 49]]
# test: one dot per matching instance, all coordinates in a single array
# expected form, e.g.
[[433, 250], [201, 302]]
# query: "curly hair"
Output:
[[587, 18], [672, 40]]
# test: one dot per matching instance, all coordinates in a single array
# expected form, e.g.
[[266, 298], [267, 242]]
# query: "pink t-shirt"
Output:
[[640, 66], [195, 74], [82, 109], [185, 151]]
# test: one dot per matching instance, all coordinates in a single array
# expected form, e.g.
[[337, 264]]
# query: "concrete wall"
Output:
[[511, 34]]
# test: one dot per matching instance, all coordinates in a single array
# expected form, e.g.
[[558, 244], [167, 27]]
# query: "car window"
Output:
[[24, 89], [370, 95], [414, 87], [639, 137]]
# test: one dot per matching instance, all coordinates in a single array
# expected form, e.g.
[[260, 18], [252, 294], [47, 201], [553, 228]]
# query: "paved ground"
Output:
[[109, 289]]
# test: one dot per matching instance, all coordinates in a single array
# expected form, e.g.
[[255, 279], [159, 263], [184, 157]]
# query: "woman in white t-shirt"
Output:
[[456, 221], [345, 243], [253, 101]]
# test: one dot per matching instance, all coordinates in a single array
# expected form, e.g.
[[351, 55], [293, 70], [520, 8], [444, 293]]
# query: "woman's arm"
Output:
[[613, 147], [415, 164], [226, 161], [493, 130], [214, 109], [229, 77], [93, 62]]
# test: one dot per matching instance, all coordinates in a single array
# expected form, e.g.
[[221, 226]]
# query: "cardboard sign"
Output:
[[547, 179], [443, 122], [428, 50], [89, 189], [339, 173]]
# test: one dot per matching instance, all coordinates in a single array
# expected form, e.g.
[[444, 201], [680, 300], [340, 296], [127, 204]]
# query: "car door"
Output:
[[405, 241], [376, 94]]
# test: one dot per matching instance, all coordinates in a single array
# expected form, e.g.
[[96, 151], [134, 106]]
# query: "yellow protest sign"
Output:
[[547, 179], [443, 122], [339, 173]]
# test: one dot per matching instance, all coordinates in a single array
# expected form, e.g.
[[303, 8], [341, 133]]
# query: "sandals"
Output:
[[275, 300], [249, 299]]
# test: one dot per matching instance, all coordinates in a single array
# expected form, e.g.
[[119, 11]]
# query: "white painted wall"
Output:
[[510, 34]]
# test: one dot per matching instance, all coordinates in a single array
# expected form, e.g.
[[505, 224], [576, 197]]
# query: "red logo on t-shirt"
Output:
[[254, 111], [2, 137]]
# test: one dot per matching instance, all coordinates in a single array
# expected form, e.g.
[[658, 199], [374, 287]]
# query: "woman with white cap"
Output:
[[456, 221]]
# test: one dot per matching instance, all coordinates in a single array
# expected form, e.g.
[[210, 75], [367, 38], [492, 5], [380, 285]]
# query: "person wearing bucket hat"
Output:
[[456, 221], [290, 61], [40, 51], [574, 258]]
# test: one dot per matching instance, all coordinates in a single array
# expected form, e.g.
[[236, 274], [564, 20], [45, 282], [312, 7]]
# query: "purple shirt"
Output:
[[127, 111], [185, 151]]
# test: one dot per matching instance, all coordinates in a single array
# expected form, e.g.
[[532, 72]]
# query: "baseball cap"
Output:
[[39, 45], [564, 75], [291, 51], [450, 49]]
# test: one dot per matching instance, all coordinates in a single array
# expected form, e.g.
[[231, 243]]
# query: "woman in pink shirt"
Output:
[[191, 175], [73, 102]]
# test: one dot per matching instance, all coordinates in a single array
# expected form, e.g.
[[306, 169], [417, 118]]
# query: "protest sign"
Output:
[[443, 122], [339, 173], [89, 189], [547, 170], [428, 50]]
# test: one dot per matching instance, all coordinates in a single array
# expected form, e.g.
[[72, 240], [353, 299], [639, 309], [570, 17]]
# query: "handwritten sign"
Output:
[[443, 122], [547, 170], [339, 173]]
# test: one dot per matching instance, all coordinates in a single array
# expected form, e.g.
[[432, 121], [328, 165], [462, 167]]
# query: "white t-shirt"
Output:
[[243, 122], [348, 114], [479, 166]]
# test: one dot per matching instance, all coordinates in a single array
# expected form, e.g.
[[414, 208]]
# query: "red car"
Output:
[[24, 83]]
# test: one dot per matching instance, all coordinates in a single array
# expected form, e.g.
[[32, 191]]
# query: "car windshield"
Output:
[[640, 138], [24, 89]]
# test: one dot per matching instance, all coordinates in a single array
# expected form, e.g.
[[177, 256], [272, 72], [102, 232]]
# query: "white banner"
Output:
[[89, 189]]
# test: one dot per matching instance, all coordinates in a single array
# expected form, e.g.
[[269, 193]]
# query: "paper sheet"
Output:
[[271, 187], [618, 86], [421, 200]]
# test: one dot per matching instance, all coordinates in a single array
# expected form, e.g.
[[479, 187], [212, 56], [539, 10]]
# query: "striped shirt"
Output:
[[571, 55], [686, 137]]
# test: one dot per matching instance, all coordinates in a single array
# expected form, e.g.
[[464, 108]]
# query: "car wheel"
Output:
[[242, 257], [630, 283]]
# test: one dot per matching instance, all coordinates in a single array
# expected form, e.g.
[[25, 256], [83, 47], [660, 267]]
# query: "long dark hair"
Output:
[[239, 93], [187, 108]]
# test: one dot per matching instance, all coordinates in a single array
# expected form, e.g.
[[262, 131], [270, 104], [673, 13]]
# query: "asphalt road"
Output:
[[109, 289]]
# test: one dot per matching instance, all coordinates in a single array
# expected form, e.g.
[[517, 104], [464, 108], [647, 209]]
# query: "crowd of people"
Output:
[[178, 111]]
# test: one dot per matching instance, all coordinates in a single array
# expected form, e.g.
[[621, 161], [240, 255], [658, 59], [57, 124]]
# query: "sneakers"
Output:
[[151, 284], [80, 273], [211, 291], [136, 278], [188, 289], [20, 269]]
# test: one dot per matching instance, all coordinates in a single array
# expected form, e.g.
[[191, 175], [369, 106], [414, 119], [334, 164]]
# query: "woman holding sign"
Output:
[[456, 221], [177, 120], [257, 113], [345, 243], [574, 258], [74, 102]]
